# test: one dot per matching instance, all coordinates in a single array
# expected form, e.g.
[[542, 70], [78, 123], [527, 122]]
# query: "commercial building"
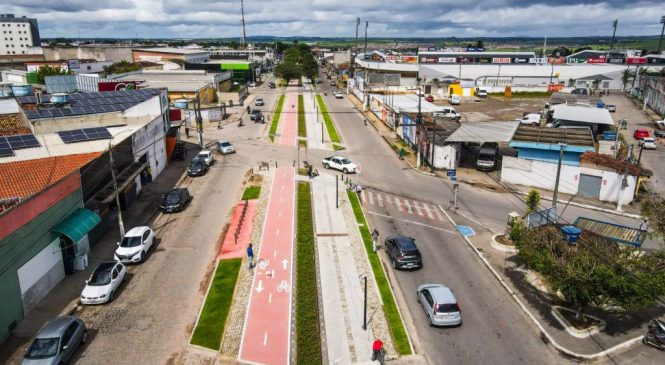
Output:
[[254, 55], [181, 84], [100, 52], [20, 36], [651, 89], [170, 54]]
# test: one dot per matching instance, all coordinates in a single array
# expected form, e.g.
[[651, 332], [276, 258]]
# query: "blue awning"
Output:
[[78, 224]]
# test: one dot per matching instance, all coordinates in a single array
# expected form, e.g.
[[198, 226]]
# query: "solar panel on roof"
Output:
[[56, 113], [31, 114], [45, 114], [23, 99], [87, 134], [22, 141], [89, 110], [99, 109], [78, 110], [5, 148], [66, 111]]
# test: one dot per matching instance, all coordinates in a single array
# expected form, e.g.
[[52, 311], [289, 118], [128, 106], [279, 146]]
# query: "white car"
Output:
[[338, 95], [135, 245], [648, 143], [225, 147], [103, 283], [340, 163], [251, 84], [455, 99], [206, 155]]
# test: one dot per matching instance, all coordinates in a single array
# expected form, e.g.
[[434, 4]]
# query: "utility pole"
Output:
[[419, 122], [432, 145], [364, 277], [199, 119], [660, 42], [121, 225], [544, 47], [614, 24], [562, 145], [366, 26], [354, 49], [243, 42]]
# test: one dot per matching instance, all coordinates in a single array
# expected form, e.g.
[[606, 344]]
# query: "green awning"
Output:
[[78, 224]]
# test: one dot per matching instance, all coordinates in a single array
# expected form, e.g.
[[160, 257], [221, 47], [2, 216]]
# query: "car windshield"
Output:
[[203, 155], [172, 197], [345, 161], [196, 163], [130, 241], [225, 144], [256, 111], [42, 348], [100, 277]]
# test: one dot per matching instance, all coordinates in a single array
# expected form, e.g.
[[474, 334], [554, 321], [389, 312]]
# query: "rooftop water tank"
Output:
[[59, 98], [22, 90], [181, 104]]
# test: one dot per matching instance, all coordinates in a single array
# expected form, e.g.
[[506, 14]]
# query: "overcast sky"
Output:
[[333, 18]]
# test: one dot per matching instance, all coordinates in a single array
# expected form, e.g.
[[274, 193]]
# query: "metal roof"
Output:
[[171, 50], [540, 135], [407, 103], [572, 99], [583, 114], [481, 132], [613, 232]]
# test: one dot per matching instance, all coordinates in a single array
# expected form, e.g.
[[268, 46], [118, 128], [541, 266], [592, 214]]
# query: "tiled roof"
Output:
[[25, 178], [11, 124]]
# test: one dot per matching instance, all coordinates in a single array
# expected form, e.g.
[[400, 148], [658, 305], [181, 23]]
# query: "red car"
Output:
[[641, 133], [430, 98]]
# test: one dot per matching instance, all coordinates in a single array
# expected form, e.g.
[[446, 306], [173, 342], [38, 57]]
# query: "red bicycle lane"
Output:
[[289, 125], [266, 337]]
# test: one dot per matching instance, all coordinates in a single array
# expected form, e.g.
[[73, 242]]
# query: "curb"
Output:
[[500, 247], [544, 335], [587, 206]]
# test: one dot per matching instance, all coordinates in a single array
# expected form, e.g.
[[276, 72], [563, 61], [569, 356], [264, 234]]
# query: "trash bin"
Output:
[[571, 234]]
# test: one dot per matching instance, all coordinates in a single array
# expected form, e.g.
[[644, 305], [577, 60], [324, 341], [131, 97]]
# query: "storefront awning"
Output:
[[78, 224]]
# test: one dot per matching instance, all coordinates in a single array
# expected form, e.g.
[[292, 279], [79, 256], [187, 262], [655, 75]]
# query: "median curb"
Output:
[[544, 335]]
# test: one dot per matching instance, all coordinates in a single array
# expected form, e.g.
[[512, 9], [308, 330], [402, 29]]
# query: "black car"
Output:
[[403, 253], [198, 167], [175, 200], [272, 85], [255, 114]]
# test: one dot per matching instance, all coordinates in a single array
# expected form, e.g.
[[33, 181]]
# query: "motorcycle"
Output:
[[655, 336], [240, 123], [356, 188]]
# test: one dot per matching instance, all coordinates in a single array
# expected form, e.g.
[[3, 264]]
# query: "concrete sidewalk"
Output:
[[342, 261], [314, 121]]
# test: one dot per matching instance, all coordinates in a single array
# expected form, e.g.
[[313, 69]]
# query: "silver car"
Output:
[[57, 341], [440, 305]]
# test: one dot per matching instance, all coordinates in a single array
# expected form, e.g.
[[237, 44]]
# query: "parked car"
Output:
[[641, 133], [648, 143], [175, 200], [56, 342], [135, 245], [255, 114], [430, 98], [482, 93], [447, 112], [272, 85], [206, 156], [455, 99], [103, 283], [340, 163], [259, 102], [611, 108], [402, 252], [338, 95], [225, 147], [530, 119], [659, 133], [440, 305], [197, 167]]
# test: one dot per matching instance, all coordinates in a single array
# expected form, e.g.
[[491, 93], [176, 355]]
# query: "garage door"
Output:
[[589, 186]]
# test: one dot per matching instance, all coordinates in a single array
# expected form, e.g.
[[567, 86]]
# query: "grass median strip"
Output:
[[275, 118], [330, 126], [251, 192], [210, 327], [395, 324], [308, 335], [302, 129]]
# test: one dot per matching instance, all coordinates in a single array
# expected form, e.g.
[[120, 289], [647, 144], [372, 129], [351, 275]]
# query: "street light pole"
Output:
[[121, 225], [660, 42], [558, 173], [364, 277]]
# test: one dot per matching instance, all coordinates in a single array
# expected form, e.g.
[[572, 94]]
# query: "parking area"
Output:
[[495, 108]]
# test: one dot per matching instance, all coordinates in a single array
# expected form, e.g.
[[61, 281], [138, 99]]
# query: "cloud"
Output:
[[332, 18]]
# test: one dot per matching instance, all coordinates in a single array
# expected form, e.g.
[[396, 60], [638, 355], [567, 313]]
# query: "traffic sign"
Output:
[[451, 172]]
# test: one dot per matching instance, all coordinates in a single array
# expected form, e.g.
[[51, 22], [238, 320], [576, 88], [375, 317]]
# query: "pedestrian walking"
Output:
[[365, 121], [378, 353], [148, 174], [375, 238], [250, 255]]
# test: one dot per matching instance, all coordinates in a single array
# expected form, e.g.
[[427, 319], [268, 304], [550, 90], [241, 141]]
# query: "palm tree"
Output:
[[627, 75], [571, 82], [595, 84]]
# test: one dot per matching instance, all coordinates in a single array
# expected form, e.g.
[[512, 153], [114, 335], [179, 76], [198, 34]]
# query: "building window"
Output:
[[23, 52]]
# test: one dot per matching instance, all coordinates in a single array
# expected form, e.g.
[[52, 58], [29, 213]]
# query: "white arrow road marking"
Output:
[[408, 206], [284, 263], [259, 288], [265, 338], [379, 198], [277, 232], [399, 204], [274, 254], [270, 298]]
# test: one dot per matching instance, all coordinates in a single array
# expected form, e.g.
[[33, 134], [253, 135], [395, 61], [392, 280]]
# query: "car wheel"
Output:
[[394, 263], [84, 337], [345, 170], [111, 296], [325, 165], [142, 256], [429, 320]]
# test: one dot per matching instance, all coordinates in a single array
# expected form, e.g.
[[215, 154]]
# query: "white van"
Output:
[[447, 112], [530, 119], [455, 99], [482, 93]]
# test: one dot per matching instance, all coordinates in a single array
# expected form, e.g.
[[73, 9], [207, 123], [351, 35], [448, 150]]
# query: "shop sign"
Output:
[[636, 60], [501, 60], [447, 59]]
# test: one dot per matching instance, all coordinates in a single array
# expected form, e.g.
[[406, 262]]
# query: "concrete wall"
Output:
[[150, 141], [446, 156], [542, 175], [27, 240]]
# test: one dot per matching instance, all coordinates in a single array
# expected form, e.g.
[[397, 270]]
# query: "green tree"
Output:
[[288, 71], [532, 201], [653, 209], [44, 71], [595, 271], [625, 76], [480, 44], [121, 67]]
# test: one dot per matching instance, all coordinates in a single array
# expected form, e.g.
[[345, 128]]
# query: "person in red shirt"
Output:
[[378, 353]]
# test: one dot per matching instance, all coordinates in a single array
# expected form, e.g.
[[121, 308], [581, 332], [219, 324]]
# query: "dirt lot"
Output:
[[495, 108]]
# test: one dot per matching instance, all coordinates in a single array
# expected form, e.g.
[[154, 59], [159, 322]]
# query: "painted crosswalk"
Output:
[[410, 206]]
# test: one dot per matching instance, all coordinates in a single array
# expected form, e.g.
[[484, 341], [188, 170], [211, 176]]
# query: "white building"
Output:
[[20, 36]]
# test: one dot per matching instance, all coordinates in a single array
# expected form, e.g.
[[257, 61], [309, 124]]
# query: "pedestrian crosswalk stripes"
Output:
[[410, 206]]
